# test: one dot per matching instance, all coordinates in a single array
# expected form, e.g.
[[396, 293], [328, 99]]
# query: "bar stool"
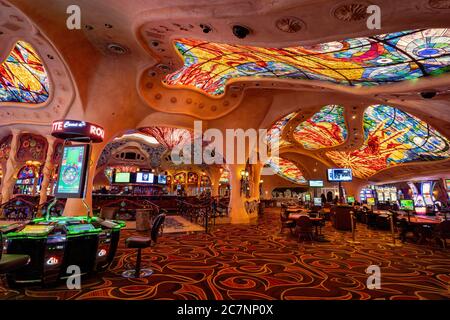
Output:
[[137, 242]]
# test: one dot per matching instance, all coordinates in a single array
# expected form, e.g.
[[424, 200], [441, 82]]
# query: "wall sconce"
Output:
[[244, 182]]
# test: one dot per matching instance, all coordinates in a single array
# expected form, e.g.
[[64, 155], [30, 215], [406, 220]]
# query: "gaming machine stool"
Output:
[[139, 243]]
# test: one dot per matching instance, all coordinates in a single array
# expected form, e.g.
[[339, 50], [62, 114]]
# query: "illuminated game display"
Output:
[[407, 204], [122, 177], [23, 78], [316, 183], [162, 179], [392, 137], [371, 201], [287, 170], [324, 129], [427, 193], [350, 199], [71, 177], [365, 61], [318, 202], [145, 177], [339, 175]]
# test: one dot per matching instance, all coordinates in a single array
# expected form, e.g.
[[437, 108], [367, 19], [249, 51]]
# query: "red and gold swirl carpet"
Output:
[[257, 262]]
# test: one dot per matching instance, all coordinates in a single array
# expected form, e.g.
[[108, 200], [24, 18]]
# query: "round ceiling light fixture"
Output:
[[290, 24], [351, 11], [117, 48]]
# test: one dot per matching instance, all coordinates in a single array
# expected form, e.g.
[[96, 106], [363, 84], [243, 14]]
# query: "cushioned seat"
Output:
[[10, 262], [138, 242]]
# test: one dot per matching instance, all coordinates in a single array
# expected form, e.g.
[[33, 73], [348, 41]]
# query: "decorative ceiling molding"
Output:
[[18, 27]]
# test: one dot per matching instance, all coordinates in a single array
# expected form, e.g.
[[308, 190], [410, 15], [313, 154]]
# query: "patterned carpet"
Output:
[[256, 262]]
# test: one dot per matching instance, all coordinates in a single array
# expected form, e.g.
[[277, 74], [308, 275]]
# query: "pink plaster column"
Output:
[[9, 175], [237, 209]]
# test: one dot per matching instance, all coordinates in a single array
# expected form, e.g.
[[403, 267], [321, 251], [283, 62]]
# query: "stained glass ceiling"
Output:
[[324, 129], [287, 170], [274, 133], [392, 137], [23, 78], [365, 61]]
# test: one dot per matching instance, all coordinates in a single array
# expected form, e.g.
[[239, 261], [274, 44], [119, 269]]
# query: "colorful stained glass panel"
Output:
[[287, 170], [364, 61], [392, 137], [23, 78], [324, 129]]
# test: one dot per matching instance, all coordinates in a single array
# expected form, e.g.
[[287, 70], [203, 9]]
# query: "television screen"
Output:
[[162, 179], [72, 172], [316, 183], [407, 205], [350, 199], [339, 175], [144, 177], [371, 201], [307, 197], [318, 202], [447, 183], [122, 177]]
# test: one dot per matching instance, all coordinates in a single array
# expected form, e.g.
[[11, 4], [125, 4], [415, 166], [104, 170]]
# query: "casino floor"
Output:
[[256, 262]]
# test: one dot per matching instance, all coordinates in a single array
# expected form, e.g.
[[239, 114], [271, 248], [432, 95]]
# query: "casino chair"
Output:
[[139, 243], [11, 262]]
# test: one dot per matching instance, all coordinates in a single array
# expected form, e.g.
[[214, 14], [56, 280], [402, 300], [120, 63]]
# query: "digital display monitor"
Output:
[[339, 175], [307, 197], [407, 205], [79, 228], [162, 179], [447, 183], [371, 201], [36, 229], [145, 177], [351, 199], [318, 202], [72, 172], [316, 183], [122, 177]]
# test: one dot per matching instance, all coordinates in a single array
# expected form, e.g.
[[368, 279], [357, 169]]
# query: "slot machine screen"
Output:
[[351, 199], [72, 172], [318, 202], [407, 205], [371, 201], [447, 183], [307, 197]]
